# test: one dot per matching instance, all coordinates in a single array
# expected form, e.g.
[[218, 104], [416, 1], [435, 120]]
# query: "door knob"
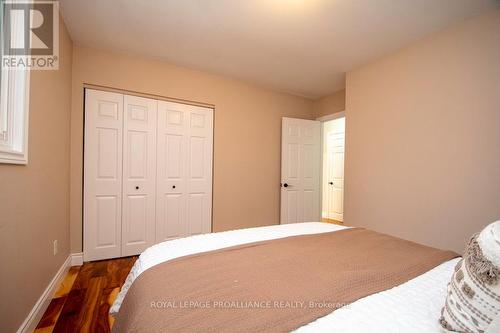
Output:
[[331, 183], [285, 185], [137, 187], [173, 186]]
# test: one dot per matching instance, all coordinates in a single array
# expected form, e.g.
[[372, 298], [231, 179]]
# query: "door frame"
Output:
[[324, 119]]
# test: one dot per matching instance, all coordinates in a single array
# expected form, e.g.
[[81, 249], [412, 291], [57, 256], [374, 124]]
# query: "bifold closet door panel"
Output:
[[184, 170], [102, 213], [139, 174], [199, 169], [170, 172]]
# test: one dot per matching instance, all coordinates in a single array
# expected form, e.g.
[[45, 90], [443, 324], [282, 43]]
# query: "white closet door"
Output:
[[170, 172], [139, 174], [184, 170], [102, 175], [199, 170]]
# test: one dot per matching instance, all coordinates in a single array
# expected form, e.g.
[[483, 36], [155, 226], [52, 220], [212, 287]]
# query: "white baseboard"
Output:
[[76, 259], [43, 302]]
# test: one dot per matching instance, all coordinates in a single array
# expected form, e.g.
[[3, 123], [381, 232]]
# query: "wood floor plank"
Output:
[[52, 313], [111, 299], [88, 315], [68, 319], [49, 329], [84, 276], [103, 321], [89, 291], [68, 281], [100, 268], [332, 221], [114, 273]]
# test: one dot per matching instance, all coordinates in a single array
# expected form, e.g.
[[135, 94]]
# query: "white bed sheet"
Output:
[[410, 307]]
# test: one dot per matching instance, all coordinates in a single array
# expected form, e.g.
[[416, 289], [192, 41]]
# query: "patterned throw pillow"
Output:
[[473, 300]]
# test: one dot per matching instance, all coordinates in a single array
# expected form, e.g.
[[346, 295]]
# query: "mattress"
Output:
[[410, 307]]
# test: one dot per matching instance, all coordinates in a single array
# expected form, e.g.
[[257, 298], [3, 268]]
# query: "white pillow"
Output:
[[473, 301]]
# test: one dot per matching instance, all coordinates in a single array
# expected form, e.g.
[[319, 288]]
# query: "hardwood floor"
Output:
[[82, 302], [332, 221]]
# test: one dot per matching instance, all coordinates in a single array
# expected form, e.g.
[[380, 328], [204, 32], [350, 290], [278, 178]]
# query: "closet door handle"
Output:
[[173, 186], [331, 183], [137, 187]]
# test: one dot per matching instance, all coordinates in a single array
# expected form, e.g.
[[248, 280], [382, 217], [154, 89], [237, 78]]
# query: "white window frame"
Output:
[[14, 109]]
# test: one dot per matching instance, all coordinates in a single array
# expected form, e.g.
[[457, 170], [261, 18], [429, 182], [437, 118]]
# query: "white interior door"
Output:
[[139, 174], [300, 170], [103, 175], [184, 170], [333, 177]]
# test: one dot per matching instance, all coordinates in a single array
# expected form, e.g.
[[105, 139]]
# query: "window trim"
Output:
[[14, 112], [15, 151]]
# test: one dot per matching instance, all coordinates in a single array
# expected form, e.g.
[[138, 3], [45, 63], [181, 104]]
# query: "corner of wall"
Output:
[[330, 104]]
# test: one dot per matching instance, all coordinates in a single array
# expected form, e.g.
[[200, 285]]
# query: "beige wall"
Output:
[[329, 104], [423, 137], [247, 132], [34, 199]]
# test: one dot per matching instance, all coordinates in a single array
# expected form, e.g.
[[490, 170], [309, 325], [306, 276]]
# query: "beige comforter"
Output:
[[274, 286]]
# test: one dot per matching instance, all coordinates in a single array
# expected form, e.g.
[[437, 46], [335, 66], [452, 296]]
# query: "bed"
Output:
[[413, 306]]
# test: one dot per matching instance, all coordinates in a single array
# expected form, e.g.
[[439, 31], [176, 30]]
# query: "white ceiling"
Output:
[[302, 47]]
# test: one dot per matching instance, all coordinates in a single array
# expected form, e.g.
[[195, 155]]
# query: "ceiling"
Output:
[[303, 47]]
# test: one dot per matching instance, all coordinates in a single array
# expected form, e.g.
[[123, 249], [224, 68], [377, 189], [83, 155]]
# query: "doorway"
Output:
[[332, 186]]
